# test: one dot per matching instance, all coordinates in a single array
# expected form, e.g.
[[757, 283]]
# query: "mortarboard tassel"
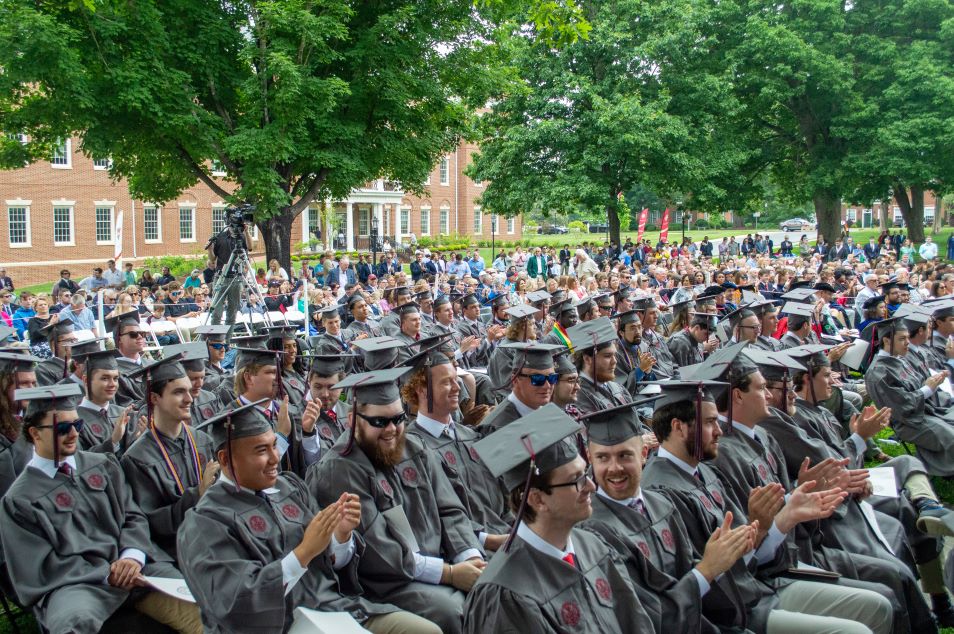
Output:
[[354, 419], [228, 444], [698, 430], [526, 492]]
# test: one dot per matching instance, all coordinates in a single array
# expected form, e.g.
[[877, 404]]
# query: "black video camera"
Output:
[[239, 216]]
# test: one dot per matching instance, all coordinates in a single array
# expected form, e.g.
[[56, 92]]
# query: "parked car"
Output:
[[553, 230], [599, 228], [796, 224]]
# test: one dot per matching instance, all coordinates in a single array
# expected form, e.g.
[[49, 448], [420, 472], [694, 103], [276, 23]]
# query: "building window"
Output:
[[897, 214], [445, 221], [445, 171], [852, 215], [425, 221], [62, 156], [218, 220], [494, 227], [102, 164], [314, 223], [63, 225], [152, 223], [18, 224], [929, 214], [218, 169], [478, 222], [511, 225], [104, 224], [186, 224], [405, 221], [364, 220]]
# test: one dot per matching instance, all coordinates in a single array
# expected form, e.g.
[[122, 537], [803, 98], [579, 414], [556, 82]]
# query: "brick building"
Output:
[[64, 213]]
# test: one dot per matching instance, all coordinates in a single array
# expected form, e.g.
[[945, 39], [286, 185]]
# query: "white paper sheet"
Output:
[[883, 481], [176, 588], [314, 622], [868, 511], [855, 354]]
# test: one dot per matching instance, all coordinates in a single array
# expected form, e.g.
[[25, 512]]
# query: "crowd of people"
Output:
[[604, 438]]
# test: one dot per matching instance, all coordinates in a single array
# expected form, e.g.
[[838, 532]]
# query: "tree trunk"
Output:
[[828, 213], [276, 232], [938, 214], [612, 219], [886, 220], [912, 210]]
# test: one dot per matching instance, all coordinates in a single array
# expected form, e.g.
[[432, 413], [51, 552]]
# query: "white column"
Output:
[[378, 210], [349, 226], [397, 225], [326, 230]]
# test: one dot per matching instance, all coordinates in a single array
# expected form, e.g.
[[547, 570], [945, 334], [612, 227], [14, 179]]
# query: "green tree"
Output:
[[297, 100], [634, 103]]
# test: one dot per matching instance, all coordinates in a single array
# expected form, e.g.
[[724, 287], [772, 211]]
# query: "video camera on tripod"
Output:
[[238, 217]]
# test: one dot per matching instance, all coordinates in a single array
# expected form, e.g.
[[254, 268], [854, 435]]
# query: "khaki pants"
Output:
[[400, 623], [826, 608], [181, 616]]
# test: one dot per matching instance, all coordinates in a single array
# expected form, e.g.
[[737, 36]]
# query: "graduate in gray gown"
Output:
[[283, 338], [390, 324], [225, 391], [520, 330], [432, 391], [594, 354], [325, 371], [633, 365], [679, 589], [215, 340], [60, 337], [551, 576], [360, 313], [469, 325], [891, 382], [109, 427], [17, 371], [686, 345], [74, 541], [686, 423], [172, 463], [333, 335], [421, 552], [130, 341], [256, 546], [768, 320], [530, 388], [566, 316], [655, 344]]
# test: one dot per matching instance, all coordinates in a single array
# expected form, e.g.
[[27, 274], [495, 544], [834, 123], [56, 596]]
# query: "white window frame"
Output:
[[311, 213], [852, 214], [192, 208], [511, 224], [478, 221], [26, 205], [220, 206], [68, 151], [929, 212], [364, 221], [404, 222], [494, 223], [426, 226], [158, 209], [444, 170], [102, 168], [70, 206], [444, 221], [217, 169], [896, 214], [105, 204], [254, 232], [427, 181]]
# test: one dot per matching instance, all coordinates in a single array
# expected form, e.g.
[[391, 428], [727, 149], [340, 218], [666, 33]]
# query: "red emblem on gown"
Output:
[[643, 548], [667, 539], [473, 454], [705, 502], [291, 511], [257, 524], [409, 474], [96, 481], [450, 458], [603, 588], [64, 500], [386, 487], [570, 613], [717, 497], [96, 428], [763, 473]]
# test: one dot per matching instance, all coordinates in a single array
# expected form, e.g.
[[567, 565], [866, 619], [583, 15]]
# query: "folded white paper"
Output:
[[883, 481], [176, 588], [314, 622]]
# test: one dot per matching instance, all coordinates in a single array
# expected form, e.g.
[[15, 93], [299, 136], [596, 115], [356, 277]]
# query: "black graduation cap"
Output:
[[429, 340], [729, 286], [708, 320], [193, 355], [942, 309], [695, 390], [234, 423], [813, 357], [800, 294], [423, 296], [774, 366], [327, 364], [355, 297], [329, 312], [57, 330], [711, 292], [12, 360], [281, 331], [402, 291], [213, 333], [615, 424], [890, 284], [521, 311], [873, 302], [534, 444], [499, 301], [824, 286], [63, 397], [557, 295], [799, 284], [604, 300], [628, 317], [379, 352], [644, 303], [537, 297], [408, 308], [379, 387], [876, 330], [80, 349], [591, 334], [737, 315], [115, 323], [562, 364], [531, 355]]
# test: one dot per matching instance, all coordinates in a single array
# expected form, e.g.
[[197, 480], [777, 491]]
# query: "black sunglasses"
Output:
[[63, 429], [539, 380], [380, 422], [135, 335], [217, 346]]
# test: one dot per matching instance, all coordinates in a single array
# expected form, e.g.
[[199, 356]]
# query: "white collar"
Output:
[[226, 480], [661, 452], [521, 407], [47, 466], [627, 502], [270, 407], [136, 361], [736, 425], [88, 404], [434, 427], [535, 541]]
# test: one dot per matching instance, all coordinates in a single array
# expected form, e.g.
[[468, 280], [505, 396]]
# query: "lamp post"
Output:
[[682, 218], [493, 233], [374, 241]]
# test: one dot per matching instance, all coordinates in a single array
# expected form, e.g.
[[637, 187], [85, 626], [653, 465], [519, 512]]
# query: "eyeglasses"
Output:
[[579, 484], [63, 429], [380, 422], [139, 334], [570, 380], [538, 380], [755, 327], [217, 346]]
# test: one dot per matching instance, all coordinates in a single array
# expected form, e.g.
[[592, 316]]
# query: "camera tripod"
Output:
[[234, 283]]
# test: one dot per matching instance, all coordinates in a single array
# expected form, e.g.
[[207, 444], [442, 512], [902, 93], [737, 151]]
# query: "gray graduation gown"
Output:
[[50, 371], [214, 376], [501, 415], [14, 456], [479, 357], [499, 370], [154, 486], [625, 360], [769, 344], [204, 406], [892, 383], [415, 494], [481, 493], [356, 328], [653, 343], [331, 425], [60, 536], [240, 588], [98, 431], [524, 590], [130, 390], [684, 349]]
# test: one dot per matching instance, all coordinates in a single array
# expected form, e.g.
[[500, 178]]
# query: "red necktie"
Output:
[[331, 415], [65, 469], [570, 559]]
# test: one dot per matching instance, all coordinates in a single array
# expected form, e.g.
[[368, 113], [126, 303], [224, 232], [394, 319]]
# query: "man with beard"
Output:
[[632, 364], [60, 336], [645, 528], [432, 390], [471, 326], [107, 428], [686, 346], [594, 355], [172, 464], [551, 576], [531, 385], [73, 511], [324, 402], [421, 550], [686, 421], [360, 325], [214, 338], [664, 366], [130, 340], [274, 550], [16, 373]]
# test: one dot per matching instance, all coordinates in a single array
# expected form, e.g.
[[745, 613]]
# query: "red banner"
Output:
[[664, 228], [643, 216]]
